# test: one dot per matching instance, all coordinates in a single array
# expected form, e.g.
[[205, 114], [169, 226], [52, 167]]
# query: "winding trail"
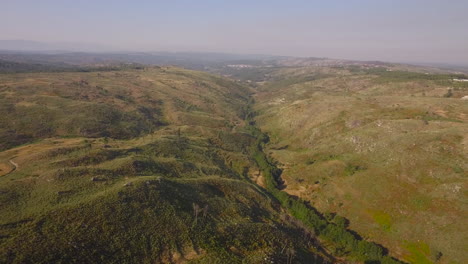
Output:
[[15, 166]]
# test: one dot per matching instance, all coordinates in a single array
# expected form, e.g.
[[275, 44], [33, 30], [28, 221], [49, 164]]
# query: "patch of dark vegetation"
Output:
[[91, 158], [26, 124], [259, 74], [108, 121], [11, 138], [8, 67], [64, 151], [98, 174], [282, 82], [449, 93], [386, 76], [430, 116], [238, 142], [320, 157], [185, 106], [184, 150], [351, 169]]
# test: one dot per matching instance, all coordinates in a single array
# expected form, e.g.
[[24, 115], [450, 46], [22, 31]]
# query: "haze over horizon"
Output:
[[395, 31]]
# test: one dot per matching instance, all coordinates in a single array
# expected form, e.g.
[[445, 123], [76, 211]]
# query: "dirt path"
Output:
[[8, 167], [15, 167], [14, 164]]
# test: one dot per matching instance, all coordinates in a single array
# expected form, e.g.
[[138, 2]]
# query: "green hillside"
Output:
[[139, 166], [383, 147], [166, 165]]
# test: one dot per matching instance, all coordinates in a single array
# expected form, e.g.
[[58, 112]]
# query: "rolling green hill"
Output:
[[140, 166], [383, 147], [167, 165]]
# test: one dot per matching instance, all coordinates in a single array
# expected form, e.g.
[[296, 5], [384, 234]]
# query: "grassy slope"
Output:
[[113, 104], [115, 163], [385, 149]]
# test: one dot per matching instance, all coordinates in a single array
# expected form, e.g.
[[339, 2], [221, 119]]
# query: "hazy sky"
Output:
[[390, 30]]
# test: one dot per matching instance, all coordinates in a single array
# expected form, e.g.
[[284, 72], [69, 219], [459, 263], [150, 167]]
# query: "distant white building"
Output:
[[240, 66], [460, 80]]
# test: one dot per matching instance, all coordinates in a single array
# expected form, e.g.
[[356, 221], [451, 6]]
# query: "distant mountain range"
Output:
[[51, 47], [70, 53]]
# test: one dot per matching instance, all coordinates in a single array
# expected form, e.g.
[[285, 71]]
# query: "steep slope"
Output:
[[138, 166], [384, 148], [121, 104]]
